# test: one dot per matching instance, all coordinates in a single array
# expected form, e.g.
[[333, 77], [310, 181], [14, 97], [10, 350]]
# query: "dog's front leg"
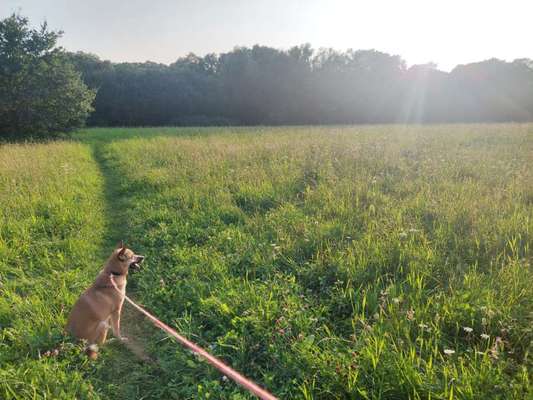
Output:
[[115, 324]]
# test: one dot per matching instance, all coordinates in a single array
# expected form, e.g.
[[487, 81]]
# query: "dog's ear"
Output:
[[120, 254], [120, 245]]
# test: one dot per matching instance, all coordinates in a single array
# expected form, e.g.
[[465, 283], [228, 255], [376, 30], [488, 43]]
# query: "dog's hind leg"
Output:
[[99, 338]]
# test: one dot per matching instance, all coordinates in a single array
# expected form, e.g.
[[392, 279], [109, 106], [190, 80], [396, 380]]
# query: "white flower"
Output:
[[403, 235], [467, 329], [449, 352], [396, 300], [485, 336], [423, 326]]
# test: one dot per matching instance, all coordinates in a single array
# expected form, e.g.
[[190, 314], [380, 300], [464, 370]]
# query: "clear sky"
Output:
[[447, 32]]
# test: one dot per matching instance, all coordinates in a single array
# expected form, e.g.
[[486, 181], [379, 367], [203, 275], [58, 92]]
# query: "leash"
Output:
[[214, 361]]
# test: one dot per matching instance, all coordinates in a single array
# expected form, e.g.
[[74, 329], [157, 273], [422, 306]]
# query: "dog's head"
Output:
[[124, 259]]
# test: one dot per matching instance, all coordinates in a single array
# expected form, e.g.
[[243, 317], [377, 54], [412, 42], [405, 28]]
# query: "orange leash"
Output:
[[215, 362]]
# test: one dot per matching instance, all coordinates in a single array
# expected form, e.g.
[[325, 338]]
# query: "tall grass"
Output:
[[377, 262], [50, 229], [339, 262]]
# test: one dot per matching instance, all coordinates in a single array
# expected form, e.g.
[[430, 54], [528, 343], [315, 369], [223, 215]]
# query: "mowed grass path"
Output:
[[332, 262]]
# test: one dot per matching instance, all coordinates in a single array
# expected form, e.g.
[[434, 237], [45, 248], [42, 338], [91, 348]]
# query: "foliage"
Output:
[[40, 91], [262, 85]]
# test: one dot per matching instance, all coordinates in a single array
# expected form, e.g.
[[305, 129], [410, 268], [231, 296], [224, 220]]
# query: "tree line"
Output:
[[44, 88], [263, 85]]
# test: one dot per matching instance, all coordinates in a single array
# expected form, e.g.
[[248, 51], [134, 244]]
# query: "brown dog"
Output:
[[99, 307]]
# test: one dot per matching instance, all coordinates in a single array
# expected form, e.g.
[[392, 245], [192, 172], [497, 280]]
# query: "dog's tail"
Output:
[[92, 351]]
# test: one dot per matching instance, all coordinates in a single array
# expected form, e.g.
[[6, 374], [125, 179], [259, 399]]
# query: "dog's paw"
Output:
[[92, 351]]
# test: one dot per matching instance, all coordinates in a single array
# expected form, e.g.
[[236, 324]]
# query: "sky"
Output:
[[446, 32]]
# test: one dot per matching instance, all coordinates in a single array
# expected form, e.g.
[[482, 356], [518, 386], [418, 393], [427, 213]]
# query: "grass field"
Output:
[[382, 262]]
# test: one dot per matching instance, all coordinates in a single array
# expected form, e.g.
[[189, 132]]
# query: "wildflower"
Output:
[[467, 329], [403, 235], [423, 326], [396, 300], [367, 327], [449, 352], [493, 352], [224, 378], [485, 336]]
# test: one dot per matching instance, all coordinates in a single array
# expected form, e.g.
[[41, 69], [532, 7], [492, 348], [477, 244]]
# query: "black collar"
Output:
[[116, 273]]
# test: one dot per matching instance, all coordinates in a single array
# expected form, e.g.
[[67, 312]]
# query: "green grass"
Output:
[[50, 228], [324, 262]]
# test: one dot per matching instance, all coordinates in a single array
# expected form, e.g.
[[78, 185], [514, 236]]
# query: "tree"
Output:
[[41, 92], [263, 85]]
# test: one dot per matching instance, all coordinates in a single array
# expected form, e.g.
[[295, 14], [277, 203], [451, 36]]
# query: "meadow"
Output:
[[335, 262]]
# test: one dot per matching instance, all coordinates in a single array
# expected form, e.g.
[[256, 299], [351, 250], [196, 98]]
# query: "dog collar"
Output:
[[115, 273]]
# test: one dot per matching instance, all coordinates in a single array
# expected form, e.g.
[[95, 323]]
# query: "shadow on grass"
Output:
[[114, 214], [124, 370]]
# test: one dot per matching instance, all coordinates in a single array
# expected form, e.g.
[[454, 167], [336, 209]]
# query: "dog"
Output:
[[100, 306]]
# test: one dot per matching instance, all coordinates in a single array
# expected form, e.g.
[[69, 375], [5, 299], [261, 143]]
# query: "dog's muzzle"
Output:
[[135, 265]]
